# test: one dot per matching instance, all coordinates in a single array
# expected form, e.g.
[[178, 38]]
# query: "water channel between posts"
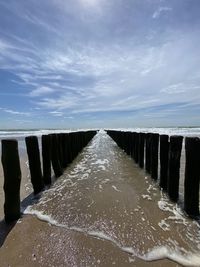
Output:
[[106, 196]]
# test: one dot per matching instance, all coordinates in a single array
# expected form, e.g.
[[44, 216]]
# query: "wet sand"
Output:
[[103, 211]]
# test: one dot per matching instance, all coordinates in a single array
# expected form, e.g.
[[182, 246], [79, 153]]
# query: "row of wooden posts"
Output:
[[58, 151], [147, 148]]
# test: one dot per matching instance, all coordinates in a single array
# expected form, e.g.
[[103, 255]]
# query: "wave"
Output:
[[154, 254]]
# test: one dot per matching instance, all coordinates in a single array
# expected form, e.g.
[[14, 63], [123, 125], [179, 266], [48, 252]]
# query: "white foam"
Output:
[[40, 215], [100, 186], [163, 225], [174, 209], [115, 188], [131, 259], [91, 204], [146, 197], [102, 167], [156, 253], [170, 131], [100, 162]]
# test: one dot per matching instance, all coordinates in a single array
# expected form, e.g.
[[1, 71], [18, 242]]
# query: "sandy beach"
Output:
[[104, 211]]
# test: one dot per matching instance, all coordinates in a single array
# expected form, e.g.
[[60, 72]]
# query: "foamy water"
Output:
[[187, 131], [184, 131], [105, 195], [39, 132], [157, 253]]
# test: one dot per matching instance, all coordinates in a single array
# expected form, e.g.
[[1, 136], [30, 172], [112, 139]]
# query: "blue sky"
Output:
[[99, 63]]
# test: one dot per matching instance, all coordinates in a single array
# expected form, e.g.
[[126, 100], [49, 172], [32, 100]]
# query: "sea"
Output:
[[21, 133]]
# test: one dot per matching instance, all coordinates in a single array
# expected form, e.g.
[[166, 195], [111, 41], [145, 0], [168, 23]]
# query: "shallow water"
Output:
[[105, 195]]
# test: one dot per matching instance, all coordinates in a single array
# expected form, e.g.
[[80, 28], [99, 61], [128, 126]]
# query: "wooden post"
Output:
[[64, 148], [154, 156], [175, 147], [55, 157], [60, 151], [141, 150], [46, 158], [164, 157], [67, 148], [136, 147], [132, 144], [70, 152], [34, 163], [192, 176], [12, 179], [148, 152]]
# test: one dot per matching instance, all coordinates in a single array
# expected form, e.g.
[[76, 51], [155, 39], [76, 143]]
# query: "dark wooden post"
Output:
[[46, 158], [154, 156], [141, 150], [132, 144], [12, 179], [55, 157], [148, 152], [136, 147], [175, 147], [60, 150], [70, 152], [192, 176], [64, 148], [164, 156], [67, 148], [34, 163]]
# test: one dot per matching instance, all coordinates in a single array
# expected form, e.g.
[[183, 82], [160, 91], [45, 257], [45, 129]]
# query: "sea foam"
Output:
[[154, 254]]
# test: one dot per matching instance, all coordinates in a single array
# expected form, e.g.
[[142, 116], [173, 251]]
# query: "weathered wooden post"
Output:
[[70, 149], [34, 163], [60, 148], [55, 157], [46, 158], [148, 152], [141, 150], [164, 157], [136, 147], [12, 179], [67, 148], [128, 143], [175, 147], [154, 156], [72, 145], [192, 176], [64, 147], [132, 144]]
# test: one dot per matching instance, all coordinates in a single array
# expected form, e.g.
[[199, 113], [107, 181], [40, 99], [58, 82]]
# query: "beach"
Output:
[[102, 211]]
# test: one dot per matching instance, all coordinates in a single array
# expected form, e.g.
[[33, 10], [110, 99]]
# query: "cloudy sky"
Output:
[[99, 63]]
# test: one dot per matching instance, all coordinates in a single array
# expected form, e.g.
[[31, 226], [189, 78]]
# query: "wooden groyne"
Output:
[[58, 151], [148, 149]]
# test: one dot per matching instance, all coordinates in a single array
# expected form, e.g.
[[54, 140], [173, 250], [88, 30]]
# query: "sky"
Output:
[[99, 63]]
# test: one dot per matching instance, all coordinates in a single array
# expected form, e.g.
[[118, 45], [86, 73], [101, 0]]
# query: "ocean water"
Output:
[[185, 131], [23, 133]]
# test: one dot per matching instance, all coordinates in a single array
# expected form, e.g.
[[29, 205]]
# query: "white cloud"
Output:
[[160, 10], [43, 90], [56, 113], [174, 89], [14, 112]]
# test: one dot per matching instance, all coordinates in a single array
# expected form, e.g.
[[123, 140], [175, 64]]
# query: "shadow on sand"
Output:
[[5, 228]]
